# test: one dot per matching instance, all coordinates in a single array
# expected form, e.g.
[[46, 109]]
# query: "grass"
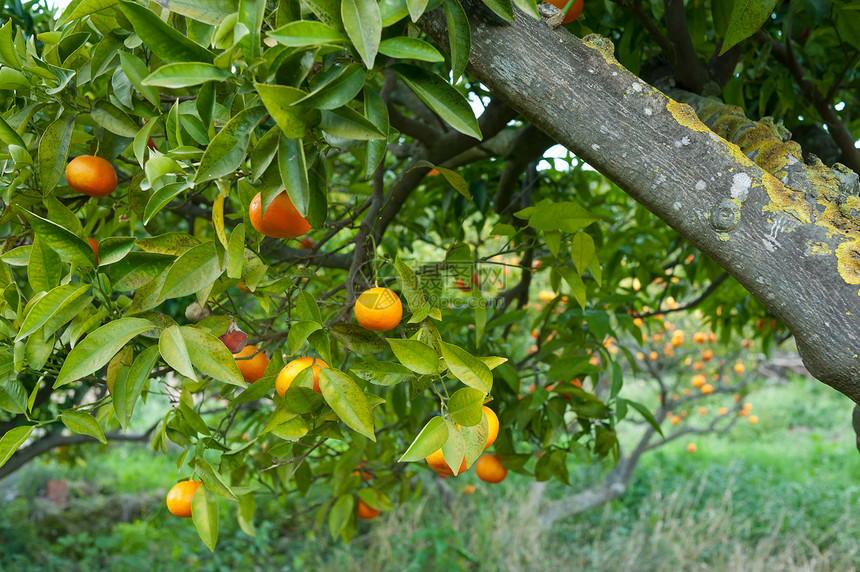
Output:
[[779, 495]]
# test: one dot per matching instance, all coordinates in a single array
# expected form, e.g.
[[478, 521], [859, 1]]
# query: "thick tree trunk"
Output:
[[793, 243]]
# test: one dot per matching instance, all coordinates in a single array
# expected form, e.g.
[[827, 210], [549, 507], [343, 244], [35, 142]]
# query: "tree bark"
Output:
[[792, 243]]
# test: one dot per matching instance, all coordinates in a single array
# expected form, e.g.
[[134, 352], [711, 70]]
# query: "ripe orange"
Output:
[[675, 419], [707, 355], [490, 469], [438, 463], [698, 380], [367, 512], [707, 388], [179, 498], [723, 410], [306, 244], [253, 368], [700, 337], [378, 309], [691, 447], [94, 244], [753, 419], [92, 176], [294, 368], [492, 427], [703, 411], [739, 368], [469, 489], [281, 219]]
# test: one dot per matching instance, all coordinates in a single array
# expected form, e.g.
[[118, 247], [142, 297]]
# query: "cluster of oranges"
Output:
[[488, 467]]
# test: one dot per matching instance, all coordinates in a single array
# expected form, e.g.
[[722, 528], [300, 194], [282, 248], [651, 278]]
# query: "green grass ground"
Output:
[[779, 495]]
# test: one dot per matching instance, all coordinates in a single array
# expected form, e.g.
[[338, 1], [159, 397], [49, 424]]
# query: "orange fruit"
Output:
[[92, 176], [490, 469], [691, 447], [281, 219], [675, 420], [378, 309], [653, 356], [698, 380], [253, 368], [492, 427], [367, 512], [179, 498], [707, 388], [703, 411], [700, 337], [306, 244], [753, 419], [294, 368], [469, 489], [438, 463], [707, 355], [739, 368], [94, 244]]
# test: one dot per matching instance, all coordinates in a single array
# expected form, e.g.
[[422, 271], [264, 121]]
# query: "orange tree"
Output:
[[354, 123]]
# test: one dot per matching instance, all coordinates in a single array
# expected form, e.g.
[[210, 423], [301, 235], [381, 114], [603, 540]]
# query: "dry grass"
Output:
[[687, 528]]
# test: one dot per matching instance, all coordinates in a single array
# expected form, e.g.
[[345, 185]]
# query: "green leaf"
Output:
[[417, 356], [502, 8], [347, 400], [467, 368], [357, 339], [454, 450], [294, 172], [13, 396], [204, 513], [441, 97], [459, 36], [68, 245], [47, 307], [410, 48], [347, 123], [209, 11], [8, 54], [582, 251], [341, 88], [247, 507], [278, 99], [171, 345], [251, 14], [114, 119], [212, 480], [563, 216], [409, 285], [54, 151], [363, 24], [99, 347], [645, 413], [236, 251], [416, 8], [161, 198], [377, 113], [227, 150], [11, 440], [431, 438], [299, 333], [340, 514], [182, 74], [466, 406], [165, 41], [83, 424], [209, 355], [127, 390], [8, 135], [192, 272], [747, 17], [381, 372], [307, 33]]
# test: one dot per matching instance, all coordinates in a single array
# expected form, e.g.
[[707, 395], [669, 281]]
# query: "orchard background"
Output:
[[324, 266]]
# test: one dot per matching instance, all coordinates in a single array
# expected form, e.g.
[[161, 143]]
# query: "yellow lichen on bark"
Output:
[[848, 261]]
